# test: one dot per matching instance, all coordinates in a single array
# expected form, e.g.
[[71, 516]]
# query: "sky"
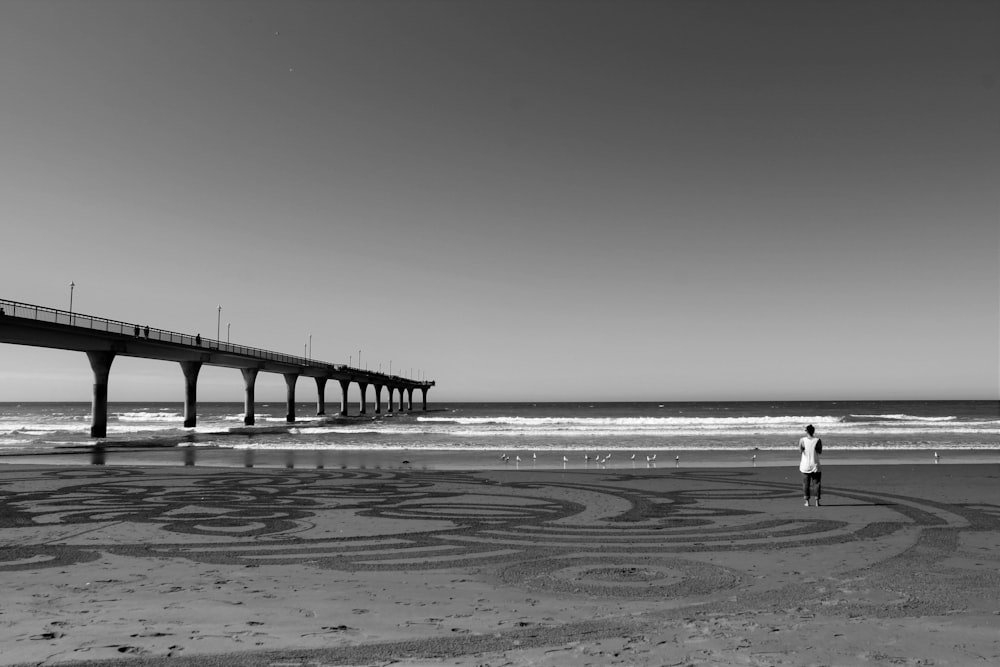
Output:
[[522, 201]]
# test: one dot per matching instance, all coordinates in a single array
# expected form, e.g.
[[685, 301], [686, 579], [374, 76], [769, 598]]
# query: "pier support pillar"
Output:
[[344, 385], [100, 363], [249, 380], [290, 379], [320, 396], [409, 398], [378, 399], [364, 397], [423, 395], [402, 401], [389, 404], [191, 369]]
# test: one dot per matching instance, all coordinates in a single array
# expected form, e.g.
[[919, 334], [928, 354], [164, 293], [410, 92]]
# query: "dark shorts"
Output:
[[807, 479]]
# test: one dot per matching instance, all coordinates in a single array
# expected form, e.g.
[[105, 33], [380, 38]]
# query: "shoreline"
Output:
[[476, 436], [400, 458]]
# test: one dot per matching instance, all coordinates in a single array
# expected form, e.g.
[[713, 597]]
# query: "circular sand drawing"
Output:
[[618, 535], [621, 575]]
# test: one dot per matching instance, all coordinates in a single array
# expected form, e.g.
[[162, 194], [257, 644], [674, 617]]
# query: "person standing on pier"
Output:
[[810, 447]]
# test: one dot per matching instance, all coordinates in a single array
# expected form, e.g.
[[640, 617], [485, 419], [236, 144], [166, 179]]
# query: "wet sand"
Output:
[[213, 565], [621, 460]]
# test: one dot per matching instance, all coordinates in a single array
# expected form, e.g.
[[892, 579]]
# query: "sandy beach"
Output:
[[294, 567]]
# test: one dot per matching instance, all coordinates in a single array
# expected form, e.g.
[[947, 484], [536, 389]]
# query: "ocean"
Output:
[[487, 435]]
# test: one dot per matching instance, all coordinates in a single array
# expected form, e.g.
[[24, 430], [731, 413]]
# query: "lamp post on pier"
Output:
[[228, 324], [71, 286], [218, 325]]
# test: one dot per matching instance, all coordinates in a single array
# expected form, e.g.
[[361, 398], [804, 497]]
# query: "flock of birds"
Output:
[[603, 460], [587, 458]]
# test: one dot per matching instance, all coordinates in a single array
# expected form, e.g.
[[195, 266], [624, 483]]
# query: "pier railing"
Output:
[[131, 329]]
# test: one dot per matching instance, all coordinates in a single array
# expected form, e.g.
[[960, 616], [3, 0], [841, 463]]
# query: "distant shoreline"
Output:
[[457, 459]]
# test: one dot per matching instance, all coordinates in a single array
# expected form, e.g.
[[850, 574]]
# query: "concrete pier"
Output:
[[249, 380], [362, 409], [191, 370], [100, 363], [104, 339], [320, 396], [344, 386], [290, 379]]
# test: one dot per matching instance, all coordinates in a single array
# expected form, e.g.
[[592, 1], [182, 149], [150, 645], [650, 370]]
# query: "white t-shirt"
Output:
[[810, 457]]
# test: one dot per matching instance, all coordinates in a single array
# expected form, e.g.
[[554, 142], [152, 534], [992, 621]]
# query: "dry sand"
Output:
[[290, 568]]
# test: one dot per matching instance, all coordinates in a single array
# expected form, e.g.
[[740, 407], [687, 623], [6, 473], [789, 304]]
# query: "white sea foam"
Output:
[[147, 416], [784, 426], [896, 426], [41, 428], [210, 427], [138, 428], [901, 417], [613, 433], [358, 430], [634, 421]]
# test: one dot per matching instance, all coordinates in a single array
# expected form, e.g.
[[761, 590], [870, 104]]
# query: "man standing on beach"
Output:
[[810, 447]]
